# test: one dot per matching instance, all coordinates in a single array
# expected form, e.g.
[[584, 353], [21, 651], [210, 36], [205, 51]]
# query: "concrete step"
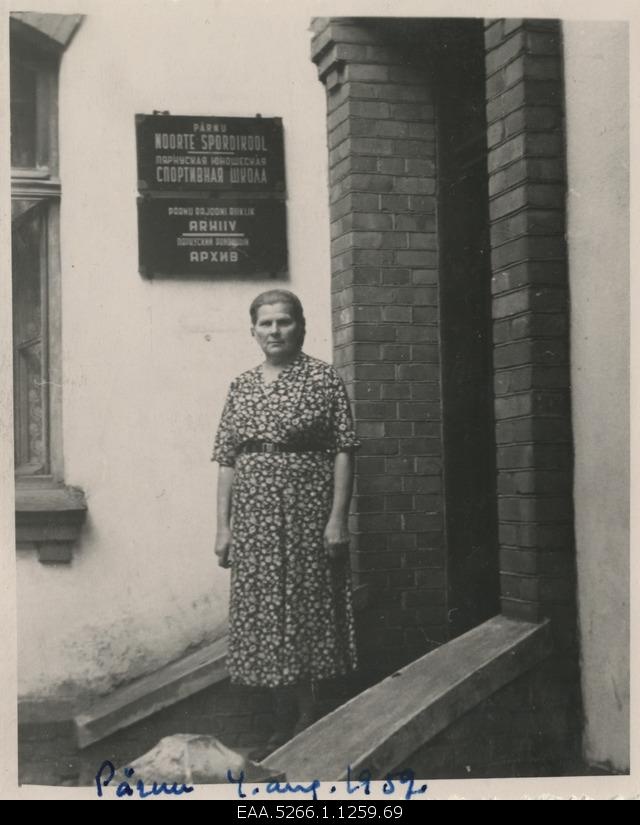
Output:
[[383, 726], [145, 696]]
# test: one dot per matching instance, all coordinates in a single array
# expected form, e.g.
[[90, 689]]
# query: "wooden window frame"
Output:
[[41, 183], [49, 514]]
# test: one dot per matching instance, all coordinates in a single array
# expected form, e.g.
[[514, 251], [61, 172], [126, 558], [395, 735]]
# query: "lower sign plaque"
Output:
[[195, 236]]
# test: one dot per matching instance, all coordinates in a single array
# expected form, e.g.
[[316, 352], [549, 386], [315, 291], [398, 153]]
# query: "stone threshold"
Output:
[[172, 683], [379, 729]]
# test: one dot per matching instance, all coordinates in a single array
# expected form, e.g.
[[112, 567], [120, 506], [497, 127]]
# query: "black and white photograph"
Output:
[[315, 402]]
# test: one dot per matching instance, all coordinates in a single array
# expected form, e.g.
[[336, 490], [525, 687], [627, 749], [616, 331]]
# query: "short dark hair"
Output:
[[279, 296]]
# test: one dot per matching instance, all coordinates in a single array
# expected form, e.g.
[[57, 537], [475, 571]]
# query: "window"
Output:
[[48, 514], [35, 194]]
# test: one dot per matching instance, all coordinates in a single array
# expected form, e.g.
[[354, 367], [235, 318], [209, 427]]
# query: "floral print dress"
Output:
[[290, 612]]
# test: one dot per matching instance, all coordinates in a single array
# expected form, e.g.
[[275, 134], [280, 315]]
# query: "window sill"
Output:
[[50, 518]]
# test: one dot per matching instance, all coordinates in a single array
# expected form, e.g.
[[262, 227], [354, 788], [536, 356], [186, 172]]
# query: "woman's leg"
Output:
[[294, 709], [284, 710], [284, 716], [306, 706]]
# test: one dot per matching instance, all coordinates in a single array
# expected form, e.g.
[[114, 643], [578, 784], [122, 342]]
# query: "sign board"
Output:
[[225, 154], [198, 236]]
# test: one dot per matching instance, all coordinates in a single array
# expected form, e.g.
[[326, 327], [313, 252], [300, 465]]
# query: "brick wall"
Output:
[[525, 101], [533, 726], [384, 255], [534, 723], [529, 728]]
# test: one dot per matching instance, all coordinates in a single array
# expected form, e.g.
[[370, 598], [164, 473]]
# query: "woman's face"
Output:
[[277, 331]]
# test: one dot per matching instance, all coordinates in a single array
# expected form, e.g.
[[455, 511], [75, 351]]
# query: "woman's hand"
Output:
[[223, 547], [336, 538]]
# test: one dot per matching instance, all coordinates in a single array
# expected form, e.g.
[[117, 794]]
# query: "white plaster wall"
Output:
[[147, 364], [597, 131]]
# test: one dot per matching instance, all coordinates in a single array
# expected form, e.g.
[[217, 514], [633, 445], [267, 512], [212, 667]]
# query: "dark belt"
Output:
[[274, 447]]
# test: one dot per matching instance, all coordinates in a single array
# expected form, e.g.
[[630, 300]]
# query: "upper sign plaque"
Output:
[[225, 154]]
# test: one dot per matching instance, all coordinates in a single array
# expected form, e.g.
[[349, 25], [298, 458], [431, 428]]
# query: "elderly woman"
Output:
[[284, 446]]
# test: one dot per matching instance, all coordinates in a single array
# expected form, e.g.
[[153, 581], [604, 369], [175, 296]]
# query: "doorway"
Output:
[[466, 333]]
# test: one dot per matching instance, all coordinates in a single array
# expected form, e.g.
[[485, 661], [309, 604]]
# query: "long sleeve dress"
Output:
[[290, 611]]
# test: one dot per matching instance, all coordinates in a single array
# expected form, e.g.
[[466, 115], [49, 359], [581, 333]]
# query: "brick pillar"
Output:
[[381, 137], [525, 101]]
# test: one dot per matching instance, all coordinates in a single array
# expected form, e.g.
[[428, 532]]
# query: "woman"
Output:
[[284, 445]]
